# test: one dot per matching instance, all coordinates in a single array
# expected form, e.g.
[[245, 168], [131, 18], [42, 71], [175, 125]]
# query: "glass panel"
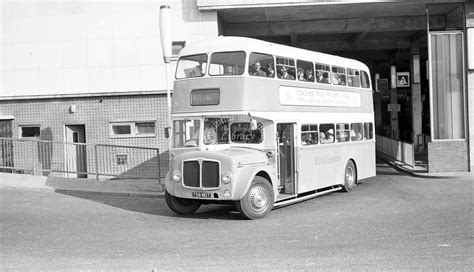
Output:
[[145, 128], [261, 65], [309, 134], [305, 71], [448, 86], [242, 133], [368, 131], [30, 132], [186, 133], [342, 133], [326, 133], [191, 66], [353, 78], [122, 129], [227, 63], [216, 131], [338, 75], [322, 73], [357, 132], [365, 82], [286, 68]]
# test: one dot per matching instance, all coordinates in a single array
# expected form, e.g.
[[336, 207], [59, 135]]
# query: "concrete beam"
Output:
[[406, 23], [332, 46]]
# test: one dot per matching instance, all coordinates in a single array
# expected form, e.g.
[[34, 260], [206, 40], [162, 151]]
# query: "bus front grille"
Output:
[[201, 174]]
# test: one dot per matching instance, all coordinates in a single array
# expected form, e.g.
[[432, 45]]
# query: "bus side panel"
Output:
[[308, 169]]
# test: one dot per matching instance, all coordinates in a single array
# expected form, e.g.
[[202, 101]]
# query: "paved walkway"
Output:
[[155, 188]]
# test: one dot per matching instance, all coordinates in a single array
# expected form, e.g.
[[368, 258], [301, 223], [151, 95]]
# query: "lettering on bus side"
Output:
[[326, 159]]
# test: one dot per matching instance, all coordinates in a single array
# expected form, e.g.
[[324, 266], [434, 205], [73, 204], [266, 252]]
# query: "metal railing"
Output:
[[99, 161]]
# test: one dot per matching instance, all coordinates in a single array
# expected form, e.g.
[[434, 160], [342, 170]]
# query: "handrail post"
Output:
[[96, 163]]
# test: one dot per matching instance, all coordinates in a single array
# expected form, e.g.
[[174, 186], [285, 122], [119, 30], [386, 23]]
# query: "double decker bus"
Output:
[[261, 125]]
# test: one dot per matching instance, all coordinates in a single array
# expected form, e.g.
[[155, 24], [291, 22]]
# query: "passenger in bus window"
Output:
[[330, 136], [285, 74], [300, 74], [308, 75], [210, 134], [322, 137], [322, 77], [258, 70], [271, 70]]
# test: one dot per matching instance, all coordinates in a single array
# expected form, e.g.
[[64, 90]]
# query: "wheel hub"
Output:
[[258, 198]]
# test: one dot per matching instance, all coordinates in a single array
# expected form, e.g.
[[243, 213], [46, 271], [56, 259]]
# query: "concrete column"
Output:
[[469, 12], [415, 94], [394, 132]]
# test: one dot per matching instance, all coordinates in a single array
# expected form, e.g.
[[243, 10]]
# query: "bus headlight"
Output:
[[227, 193], [226, 177], [176, 175]]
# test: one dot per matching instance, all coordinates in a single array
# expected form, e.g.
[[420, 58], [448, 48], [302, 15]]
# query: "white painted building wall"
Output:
[[52, 47]]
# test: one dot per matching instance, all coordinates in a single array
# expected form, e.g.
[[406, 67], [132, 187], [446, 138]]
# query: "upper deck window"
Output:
[[305, 71], [353, 78], [338, 75], [191, 66], [261, 65], [322, 73], [227, 63], [285, 68], [365, 79]]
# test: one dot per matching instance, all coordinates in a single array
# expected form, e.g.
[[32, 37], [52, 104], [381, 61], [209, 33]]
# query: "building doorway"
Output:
[[76, 151], [6, 153]]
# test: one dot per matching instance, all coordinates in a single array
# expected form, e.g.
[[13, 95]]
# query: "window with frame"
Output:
[[309, 134], [262, 65], [227, 63], [326, 133], [353, 78], [285, 68], [30, 131], [342, 132], [305, 71], [323, 73], [368, 131], [364, 79], [243, 133], [191, 66], [132, 129], [338, 75], [357, 132]]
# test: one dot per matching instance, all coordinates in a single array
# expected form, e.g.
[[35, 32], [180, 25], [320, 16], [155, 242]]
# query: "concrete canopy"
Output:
[[337, 26]]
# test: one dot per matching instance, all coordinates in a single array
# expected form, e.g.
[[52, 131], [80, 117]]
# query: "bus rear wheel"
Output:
[[258, 201], [350, 177], [181, 205]]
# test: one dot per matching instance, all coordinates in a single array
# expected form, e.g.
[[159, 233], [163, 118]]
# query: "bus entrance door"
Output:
[[286, 157]]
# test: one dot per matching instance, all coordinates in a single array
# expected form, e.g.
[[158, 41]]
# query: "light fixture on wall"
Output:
[[416, 68], [393, 76], [72, 108]]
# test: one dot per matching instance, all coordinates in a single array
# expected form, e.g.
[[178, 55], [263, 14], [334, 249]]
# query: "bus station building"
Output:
[[93, 72]]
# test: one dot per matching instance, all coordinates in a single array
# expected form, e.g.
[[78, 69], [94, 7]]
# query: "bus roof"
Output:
[[226, 44]]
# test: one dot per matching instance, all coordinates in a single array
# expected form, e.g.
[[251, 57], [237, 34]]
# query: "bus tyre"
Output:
[[181, 205], [350, 177], [258, 201]]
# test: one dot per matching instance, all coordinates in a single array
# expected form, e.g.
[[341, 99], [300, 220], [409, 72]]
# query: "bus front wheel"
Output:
[[181, 205], [350, 177], [258, 201]]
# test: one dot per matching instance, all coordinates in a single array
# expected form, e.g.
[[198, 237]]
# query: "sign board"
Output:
[[403, 79], [393, 107], [205, 97], [299, 96]]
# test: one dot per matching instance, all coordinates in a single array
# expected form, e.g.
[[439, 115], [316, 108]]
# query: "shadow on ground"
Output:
[[155, 206]]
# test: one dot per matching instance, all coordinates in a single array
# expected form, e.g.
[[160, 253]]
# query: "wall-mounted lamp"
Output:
[[72, 108], [393, 77], [377, 77], [416, 68]]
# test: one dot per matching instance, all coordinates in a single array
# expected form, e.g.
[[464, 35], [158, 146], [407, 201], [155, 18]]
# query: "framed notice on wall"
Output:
[[403, 79]]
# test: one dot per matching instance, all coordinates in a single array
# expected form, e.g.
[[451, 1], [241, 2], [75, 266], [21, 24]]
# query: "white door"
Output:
[[76, 152]]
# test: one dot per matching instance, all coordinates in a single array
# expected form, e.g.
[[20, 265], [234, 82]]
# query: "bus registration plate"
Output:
[[202, 194]]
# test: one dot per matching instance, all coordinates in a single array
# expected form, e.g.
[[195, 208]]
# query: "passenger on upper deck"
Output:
[[284, 73], [300, 74], [258, 71], [271, 71], [308, 74]]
